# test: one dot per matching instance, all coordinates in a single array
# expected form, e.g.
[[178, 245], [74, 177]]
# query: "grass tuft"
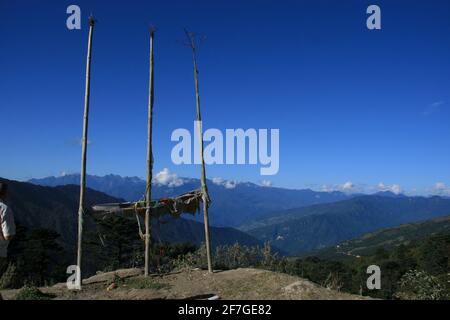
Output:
[[32, 293]]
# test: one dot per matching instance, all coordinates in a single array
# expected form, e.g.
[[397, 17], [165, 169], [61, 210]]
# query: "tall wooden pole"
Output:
[[84, 142], [205, 195], [148, 194]]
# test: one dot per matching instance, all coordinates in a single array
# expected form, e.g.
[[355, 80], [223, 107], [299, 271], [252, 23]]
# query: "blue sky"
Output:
[[352, 105]]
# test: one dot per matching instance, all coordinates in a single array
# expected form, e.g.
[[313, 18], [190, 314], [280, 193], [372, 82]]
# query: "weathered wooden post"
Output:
[[84, 142], [148, 195], [205, 196]]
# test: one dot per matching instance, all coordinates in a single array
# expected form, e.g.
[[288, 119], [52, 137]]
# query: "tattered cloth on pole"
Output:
[[186, 203]]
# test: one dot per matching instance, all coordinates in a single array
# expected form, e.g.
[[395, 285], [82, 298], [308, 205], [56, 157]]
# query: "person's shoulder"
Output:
[[3, 207]]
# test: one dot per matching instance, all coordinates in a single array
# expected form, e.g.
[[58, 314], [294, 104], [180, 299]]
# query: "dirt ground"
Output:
[[238, 284]]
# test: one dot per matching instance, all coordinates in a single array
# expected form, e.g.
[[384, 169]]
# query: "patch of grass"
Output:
[[32, 293], [116, 280], [145, 283]]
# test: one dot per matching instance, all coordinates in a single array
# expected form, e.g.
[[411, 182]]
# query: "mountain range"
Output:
[[56, 208], [294, 221], [233, 203]]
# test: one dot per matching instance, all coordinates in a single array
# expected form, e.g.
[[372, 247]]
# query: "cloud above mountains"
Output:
[[395, 188], [441, 189], [266, 183], [228, 184], [350, 187], [171, 179], [167, 178]]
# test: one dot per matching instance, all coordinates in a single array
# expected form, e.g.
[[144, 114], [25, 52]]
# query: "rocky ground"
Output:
[[238, 284]]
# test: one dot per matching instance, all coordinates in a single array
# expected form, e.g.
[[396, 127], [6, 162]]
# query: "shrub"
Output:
[[9, 279], [419, 285], [32, 293], [333, 282], [229, 257]]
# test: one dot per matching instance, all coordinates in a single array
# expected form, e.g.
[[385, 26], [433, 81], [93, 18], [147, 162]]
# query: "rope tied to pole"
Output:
[[141, 234]]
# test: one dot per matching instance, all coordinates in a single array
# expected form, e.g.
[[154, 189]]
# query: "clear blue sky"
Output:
[[351, 104]]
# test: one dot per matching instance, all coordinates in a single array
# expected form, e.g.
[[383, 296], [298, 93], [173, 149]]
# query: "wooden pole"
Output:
[[148, 195], [84, 142], [205, 195]]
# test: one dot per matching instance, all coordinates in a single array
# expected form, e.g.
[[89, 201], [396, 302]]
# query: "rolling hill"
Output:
[[305, 229], [387, 239]]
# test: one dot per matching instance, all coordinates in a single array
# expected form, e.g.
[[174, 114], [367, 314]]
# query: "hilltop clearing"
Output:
[[237, 284]]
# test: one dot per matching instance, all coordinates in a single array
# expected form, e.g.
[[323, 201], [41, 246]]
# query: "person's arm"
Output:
[[8, 226], [2, 238]]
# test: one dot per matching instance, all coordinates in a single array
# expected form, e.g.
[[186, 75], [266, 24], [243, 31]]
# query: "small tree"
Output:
[[268, 257], [36, 257]]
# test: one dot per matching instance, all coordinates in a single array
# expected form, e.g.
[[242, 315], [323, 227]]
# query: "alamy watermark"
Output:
[[229, 148], [374, 20], [374, 280], [74, 280], [73, 21]]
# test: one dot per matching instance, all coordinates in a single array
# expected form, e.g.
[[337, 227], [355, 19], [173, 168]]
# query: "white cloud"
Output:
[[228, 184], [167, 178], [350, 187], [441, 189], [266, 183], [347, 186], [440, 186], [218, 181], [344, 187], [395, 188], [326, 188]]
